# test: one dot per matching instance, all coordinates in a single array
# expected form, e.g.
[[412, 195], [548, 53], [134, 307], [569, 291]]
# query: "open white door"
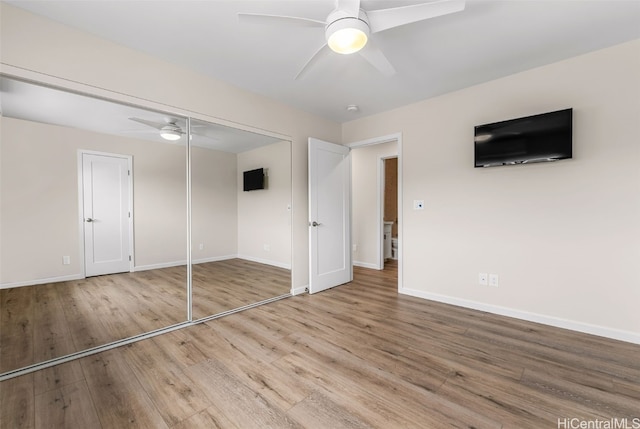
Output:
[[106, 194], [329, 215]]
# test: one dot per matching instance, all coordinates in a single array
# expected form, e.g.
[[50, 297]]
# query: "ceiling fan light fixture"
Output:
[[170, 132], [347, 35]]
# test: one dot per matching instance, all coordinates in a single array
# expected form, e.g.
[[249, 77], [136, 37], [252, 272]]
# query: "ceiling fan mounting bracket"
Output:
[[340, 14]]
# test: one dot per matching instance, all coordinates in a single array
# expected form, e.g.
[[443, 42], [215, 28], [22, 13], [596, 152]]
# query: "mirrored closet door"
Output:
[[95, 214], [93, 222], [240, 218]]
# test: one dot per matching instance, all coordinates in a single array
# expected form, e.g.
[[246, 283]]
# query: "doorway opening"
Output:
[[389, 210], [376, 188]]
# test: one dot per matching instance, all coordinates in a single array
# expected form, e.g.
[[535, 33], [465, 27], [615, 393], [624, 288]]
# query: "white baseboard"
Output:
[[214, 259], [299, 290], [160, 265], [366, 265], [41, 281], [205, 260], [266, 262], [616, 334]]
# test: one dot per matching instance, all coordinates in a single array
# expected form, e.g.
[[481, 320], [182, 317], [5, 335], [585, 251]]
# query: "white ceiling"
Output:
[[488, 40]]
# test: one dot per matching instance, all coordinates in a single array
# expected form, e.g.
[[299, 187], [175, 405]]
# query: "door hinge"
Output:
[[129, 257], [129, 214], [128, 172]]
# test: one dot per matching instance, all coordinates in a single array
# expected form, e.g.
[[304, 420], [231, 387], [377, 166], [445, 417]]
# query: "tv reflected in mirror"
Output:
[[253, 179]]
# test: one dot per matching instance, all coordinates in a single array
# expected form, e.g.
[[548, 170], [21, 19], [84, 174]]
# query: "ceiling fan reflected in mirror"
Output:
[[169, 130], [348, 27]]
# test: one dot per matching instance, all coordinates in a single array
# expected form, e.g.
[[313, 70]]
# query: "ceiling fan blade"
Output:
[[320, 53], [383, 19], [376, 58], [279, 19], [351, 7], [152, 124], [137, 131]]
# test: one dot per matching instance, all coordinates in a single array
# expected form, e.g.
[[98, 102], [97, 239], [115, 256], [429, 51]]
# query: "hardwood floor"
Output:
[[47, 321], [356, 356], [226, 285], [51, 320]]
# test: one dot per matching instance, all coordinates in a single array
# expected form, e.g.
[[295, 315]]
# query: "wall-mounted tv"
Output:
[[253, 179], [537, 138]]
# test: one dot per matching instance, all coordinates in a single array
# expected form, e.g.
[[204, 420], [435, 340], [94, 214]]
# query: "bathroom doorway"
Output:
[[368, 183], [389, 211]]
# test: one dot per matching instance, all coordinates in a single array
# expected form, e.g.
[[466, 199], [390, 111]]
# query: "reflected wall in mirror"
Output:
[[83, 187], [241, 240]]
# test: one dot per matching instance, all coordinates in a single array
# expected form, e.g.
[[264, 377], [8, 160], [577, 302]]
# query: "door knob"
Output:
[[89, 219], [314, 223]]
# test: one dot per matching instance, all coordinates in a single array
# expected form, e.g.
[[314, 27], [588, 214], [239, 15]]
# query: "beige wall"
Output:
[[159, 201], [366, 216], [214, 207], [563, 237], [264, 216], [38, 202], [33, 44], [39, 199]]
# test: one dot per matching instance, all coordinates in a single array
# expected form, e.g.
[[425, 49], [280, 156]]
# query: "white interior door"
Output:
[[329, 215], [106, 194]]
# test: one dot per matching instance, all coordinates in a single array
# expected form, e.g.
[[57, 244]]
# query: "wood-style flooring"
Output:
[[226, 285], [47, 321], [356, 356]]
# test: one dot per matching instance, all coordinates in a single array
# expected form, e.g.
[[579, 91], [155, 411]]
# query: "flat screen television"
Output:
[[537, 138], [253, 179]]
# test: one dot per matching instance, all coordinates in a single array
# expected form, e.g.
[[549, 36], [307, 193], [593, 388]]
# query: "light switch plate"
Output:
[[493, 280]]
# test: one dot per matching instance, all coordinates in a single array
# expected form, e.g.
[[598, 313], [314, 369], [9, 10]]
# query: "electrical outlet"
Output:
[[66, 260], [483, 279], [201, 246], [418, 204], [493, 280], [355, 247], [267, 248]]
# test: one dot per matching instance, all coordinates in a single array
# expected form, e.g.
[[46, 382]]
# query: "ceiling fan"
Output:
[[169, 130], [348, 27]]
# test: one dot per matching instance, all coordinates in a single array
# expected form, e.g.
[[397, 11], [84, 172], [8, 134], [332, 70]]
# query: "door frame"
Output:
[[397, 137], [81, 250]]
